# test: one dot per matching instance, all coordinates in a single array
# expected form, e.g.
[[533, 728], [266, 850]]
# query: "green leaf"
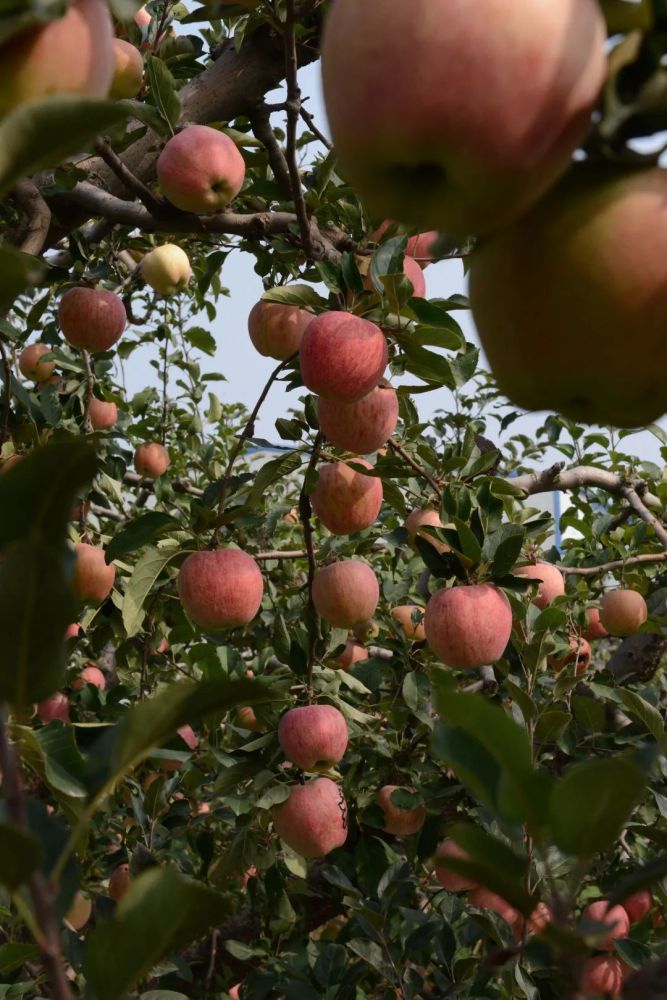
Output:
[[468, 543], [473, 765], [43, 133], [140, 584], [163, 90], [387, 259], [551, 724], [591, 803], [20, 855], [139, 533], [643, 711], [493, 864], [642, 878], [304, 296], [13, 955], [271, 472], [502, 547], [18, 273], [53, 754], [175, 909]]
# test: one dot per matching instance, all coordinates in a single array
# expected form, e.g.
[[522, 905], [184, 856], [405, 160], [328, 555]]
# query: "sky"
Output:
[[246, 371]]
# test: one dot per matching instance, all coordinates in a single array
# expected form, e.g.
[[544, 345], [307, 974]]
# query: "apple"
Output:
[[191, 740], [72, 54], [31, 365], [412, 271], [91, 318], [79, 911], [128, 74], [484, 899], [468, 626], [404, 615], [623, 612], [602, 976], [276, 329], [93, 578], [119, 882], [397, 821], [234, 993], [246, 719], [55, 707], [552, 582], [638, 905], [200, 170], [361, 427], [313, 820], [354, 652], [102, 415], [595, 629], [419, 247], [73, 631], [345, 593], [580, 300], [580, 653], [313, 737], [366, 630], [220, 589], [615, 917], [343, 357], [448, 879], [540, 918], [166, 269], [91, 674], [418, 519], [346, 500], [151, 460]]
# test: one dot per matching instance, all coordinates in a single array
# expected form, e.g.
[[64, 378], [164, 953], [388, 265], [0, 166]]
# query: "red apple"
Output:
[[418, 519], [32, 366], [412, 272], [91, 318], [346, 500], [346, 593], [73, 631], [93, 578], [484, 899], [166, 269], [468, 626], [313, 737], [246, 719], [419, 247], [540, 918], [151, 460], [91, 674], [276, 329], [399, 822], [220, 589], [602, 976], [623, 612], [102, 415], [354, 652], [342, 356], [449, 880], [552, 583], [313, 820], [580, 652], [403, 616], [595, 628], [638, 905], [128, 70], [119, 882], [614, 917], [360, 427], [55, 707], [200, 170]]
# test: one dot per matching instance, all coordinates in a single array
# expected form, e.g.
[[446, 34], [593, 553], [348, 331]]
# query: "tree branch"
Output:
[[293, 108], [566, 480], [645, 558], [37, 217], [127, 178], [7, 390], [631, 494], [261, 126], [407, 457]]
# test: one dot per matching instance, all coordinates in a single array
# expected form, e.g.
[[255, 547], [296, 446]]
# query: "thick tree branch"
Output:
[[293, 106], [636, 502], [261, 126], [133, 185], [645, 559], [6, 391], [566, 480], [398, 448], [37, 217]]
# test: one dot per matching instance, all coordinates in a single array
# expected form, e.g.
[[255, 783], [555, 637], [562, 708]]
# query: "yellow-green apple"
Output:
[[468, 626], [102, 415], [346, 593], [580, 654], [361, 427], [91, 318], [200, 170], [552, 582], [128, 70], [119, 882], [31, 364], [91, 674], [55, 707], [595, 274], [313, 737], [410, 619], [614, 917], [93, 579], [346, 500], [220, 589], [354, 652], [79, 912], [71, 55], [276, 329], [595, 629], [166, 269], [151, 460], [489, 119], [313, 820], [343, 357], [623, 612], [448, 879], [602, 976], [638, 905], [418, 519], [484, 899], [399, 822]]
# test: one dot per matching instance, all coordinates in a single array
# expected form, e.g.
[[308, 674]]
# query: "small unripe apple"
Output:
[[32, 366], [91, 318], [346, 500], [552, 583], [151, 460], [602, 976], [623, 612], [399, 822], [93, 578], [418, 519], [90, 674], [79, 912], [313, 737], [220, 589], [55, 707], [361, 427], [128, 70], [448, 879], [468, 626], [580, 653], [638, 905], [119, 882], [102, 415], [200, 170], [346, 593], [313, 820], [484, 899], [246, 719], [595, 629], [276, 329], [403, 615], [166, 269], [343, 357], [615, 917], [354, 652]]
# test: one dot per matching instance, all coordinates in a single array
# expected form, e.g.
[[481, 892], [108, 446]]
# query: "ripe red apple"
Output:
[[191, 740], [623, 612], [128, 70], [79, 911], [552, 582], [484, 899], [360, 427], [91, 674], [200, 170], [346, 500], [246, 719], [602, 976], [459, 117], [342, 356], [579, 300], [580, 653], [71, 55], [91, 318], [73, 631], [313, 820], [403, 616], [468, 626], [449, 880], [313, 737], [399, 822], [102, 415], [276, 329], [638, 905], [418, 519], [220, 589], [93, 578], [346, 593], [614, 917], [166, 269], [119, 882], [151, 460], [540, 918], [55, 707], [32, 366], [354, 652], [595, 628]]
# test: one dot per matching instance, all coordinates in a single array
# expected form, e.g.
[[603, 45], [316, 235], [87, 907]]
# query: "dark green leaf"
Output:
[[163, 90], [296, 295], [138, 533], [18, 273], [20, 855], [502, 547], [644, 711]]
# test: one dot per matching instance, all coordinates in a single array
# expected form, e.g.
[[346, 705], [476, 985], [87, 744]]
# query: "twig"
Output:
[[132, 183], [90, 386], [261, 126], [281, 554], [310, 122], [631, 494], [165, 384], [306, 512], [7, 390], [566, 480], [646, 559], [407, 457], [293, 110], [38, 216]]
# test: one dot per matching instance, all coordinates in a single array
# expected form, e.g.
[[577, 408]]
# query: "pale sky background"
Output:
[[246, 371]]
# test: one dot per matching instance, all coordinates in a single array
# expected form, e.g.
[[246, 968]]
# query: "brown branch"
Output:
[[133, 184], [7, 390], [631, 494], [90, 386], [281, 554], [567, 480], [645, 559], [293, 110], [37, 217], [306, 513], [261, 126], [310, 122], [178, 485], [407, 457]]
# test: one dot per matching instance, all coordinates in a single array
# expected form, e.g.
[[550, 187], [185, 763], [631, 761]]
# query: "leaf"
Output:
[[551, 724], [472, 763], [591, 803], [296, 295], [502, 547], [139, 586], [493, 864], [53, 754], [271, 472], [43, 133], [642, 878], [177, 911], [18, 273], [387, 259], [643, 711], [163, 90], [13, 955], [139, 533], [20, 855]]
